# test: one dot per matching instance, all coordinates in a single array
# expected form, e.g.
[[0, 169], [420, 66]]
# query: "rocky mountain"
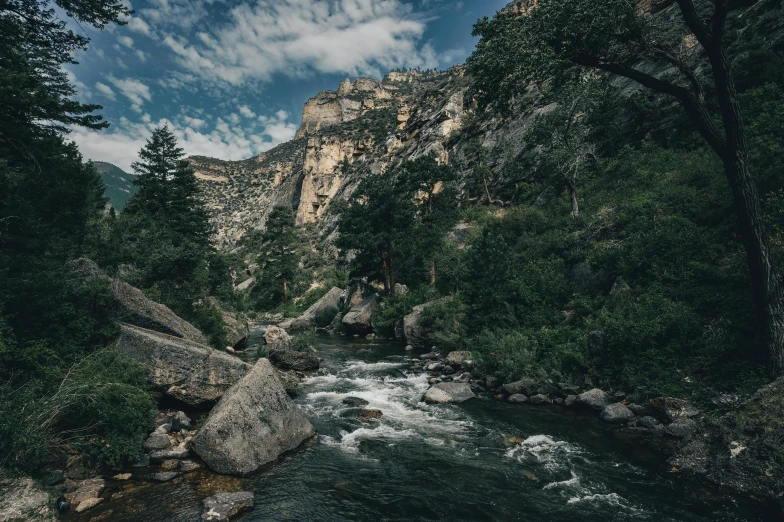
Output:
[[363, 127], [119, 184]]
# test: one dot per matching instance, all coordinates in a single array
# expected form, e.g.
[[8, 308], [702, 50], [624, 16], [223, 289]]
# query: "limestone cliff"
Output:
[[365, 123]]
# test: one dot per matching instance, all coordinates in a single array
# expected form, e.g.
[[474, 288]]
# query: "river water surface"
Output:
[[483, 460]]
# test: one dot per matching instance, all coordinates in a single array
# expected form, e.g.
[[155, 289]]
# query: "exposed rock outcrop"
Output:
[[191, 372], [136, 308], [252, 425], [742, 450], [21, 499]]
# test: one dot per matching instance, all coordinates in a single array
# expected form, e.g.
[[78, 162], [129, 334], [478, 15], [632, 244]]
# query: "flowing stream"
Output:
[[483, 460]]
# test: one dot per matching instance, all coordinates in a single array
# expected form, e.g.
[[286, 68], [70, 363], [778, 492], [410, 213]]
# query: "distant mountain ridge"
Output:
[[119, 184]]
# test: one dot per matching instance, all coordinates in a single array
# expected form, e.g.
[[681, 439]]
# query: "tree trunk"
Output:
[[573, 197], [391, 272], [487, 191], [285, 291], [432, 272], [765, 282], [385, 273]]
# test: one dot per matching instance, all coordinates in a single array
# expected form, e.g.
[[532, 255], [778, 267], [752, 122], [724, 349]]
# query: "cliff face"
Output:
[[364, 123]]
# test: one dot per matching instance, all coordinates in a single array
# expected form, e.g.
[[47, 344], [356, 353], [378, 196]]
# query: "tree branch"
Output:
[[692, 19], [685, 70], [687, 99]]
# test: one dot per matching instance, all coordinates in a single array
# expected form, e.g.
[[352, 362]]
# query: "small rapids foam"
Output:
[[349, 441], [360, 366], [397, 397], [573, 482], [553, 455]]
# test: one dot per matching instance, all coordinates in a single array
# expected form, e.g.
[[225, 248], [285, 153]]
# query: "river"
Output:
[[483, 460]]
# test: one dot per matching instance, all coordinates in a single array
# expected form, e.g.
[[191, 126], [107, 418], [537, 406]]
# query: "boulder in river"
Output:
[[252, 425], [275, 335], [320, 313], [449, 392], [540, 398], [355, 402], [135, 308], [361, 413], [594, 399], [526, 386], [359, 320], [517, 398], [183, 369], [223, 506], [616, 413], [288, 359]]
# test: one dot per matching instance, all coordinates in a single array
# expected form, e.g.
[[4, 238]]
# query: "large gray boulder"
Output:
[[359, 320], [252, 425], [319, 315], [448, 392], [135, 308], [594, 399], [275, 336], [191, 372], [616, 413]]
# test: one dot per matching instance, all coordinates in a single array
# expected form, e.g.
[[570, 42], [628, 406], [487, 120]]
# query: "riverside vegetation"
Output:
[[572, 220]]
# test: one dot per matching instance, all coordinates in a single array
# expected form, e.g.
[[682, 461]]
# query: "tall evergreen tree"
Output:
[[279, 260]]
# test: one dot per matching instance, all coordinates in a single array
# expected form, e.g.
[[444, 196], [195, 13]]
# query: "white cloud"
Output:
[[132, 89], [179, 13], [245, 111], [127, 41], [141, 55], [297, 37], [82, 91], [139, 25], [120, 145], [105, 90]]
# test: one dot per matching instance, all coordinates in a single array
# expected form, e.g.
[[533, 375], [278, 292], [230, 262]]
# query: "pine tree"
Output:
[[279, 260]]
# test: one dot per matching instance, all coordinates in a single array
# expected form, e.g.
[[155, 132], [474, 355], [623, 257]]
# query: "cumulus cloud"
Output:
[[139, 25], [179, 13], [298, 37], [141, 55], [132, 89], [245, 111], [105, 90], [127, 41], [120, 145]]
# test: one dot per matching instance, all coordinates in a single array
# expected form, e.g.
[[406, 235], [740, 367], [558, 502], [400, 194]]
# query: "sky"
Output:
[[230, 77]]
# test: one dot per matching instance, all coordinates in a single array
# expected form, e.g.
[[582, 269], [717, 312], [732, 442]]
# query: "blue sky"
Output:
[[231, 76]]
